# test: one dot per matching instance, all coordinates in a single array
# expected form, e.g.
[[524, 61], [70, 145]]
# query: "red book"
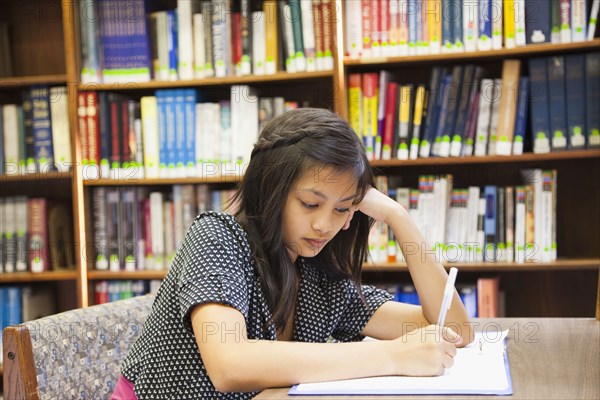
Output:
[[390, 120], [487, 297], [367, 27], [83, 126], [236, 40], [101, 292], [37, 227], [93, 126]]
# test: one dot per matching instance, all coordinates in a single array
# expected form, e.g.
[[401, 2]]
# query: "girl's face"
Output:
[[317, 207]]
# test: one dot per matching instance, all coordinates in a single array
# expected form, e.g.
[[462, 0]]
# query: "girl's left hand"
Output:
[[376, 205]]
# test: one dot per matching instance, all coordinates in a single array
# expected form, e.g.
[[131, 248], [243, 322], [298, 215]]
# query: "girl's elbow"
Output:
[[227, 377]]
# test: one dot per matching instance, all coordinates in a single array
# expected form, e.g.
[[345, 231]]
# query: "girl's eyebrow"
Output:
[[324, 197]]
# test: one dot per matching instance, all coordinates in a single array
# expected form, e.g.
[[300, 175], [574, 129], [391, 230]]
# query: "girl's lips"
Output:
[[316, 242]]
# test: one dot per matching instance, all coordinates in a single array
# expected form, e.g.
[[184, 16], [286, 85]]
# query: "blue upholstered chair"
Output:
[[76, 354]]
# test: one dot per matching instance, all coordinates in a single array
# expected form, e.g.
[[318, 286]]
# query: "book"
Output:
[[521, 117], [576, 99], [537, 21], [538, 99], [37, 226], [61, 134], [487, 297], [508, 106], [557, 103], [60, 237], [592, 84]]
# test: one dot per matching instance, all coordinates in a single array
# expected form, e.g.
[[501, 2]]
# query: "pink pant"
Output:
[[124, 390]]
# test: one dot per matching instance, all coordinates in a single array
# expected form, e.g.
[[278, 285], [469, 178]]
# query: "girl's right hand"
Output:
[[426, 351]]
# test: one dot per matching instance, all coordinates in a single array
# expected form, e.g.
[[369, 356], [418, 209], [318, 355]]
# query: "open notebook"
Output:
[[480, 368]]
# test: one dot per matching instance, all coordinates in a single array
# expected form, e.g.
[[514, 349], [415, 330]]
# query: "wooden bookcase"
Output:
[[46, 50]]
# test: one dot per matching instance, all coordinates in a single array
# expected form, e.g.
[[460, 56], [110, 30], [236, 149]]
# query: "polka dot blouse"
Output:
[[214, 265]]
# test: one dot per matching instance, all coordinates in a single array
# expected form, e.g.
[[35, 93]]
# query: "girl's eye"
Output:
[[308, 205], [342, 210]]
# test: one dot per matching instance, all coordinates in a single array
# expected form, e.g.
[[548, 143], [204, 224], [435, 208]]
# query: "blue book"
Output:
[[456, 15], [412, 27], [453, 97], [557, 104], [435, 96], [162, 132], [439, 123], [538, 100], [592, 94], [485, 25], [538, 21], [489, 223], [576, 99], [173, 43], [448, 36], [468, 296], [170, 131], [105, 137], [180, 132], [12, 306], [521, 117], [42, 128], [407, 294], [190, 130]]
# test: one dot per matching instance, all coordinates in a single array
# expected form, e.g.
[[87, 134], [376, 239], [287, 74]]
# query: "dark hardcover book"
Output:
[[557, 102], [537, 21], [100, 212], [29, 136], [60, 237], [576, 99], [42, 128], [113, 205], [37, 226], [592, 94], [538, 100]]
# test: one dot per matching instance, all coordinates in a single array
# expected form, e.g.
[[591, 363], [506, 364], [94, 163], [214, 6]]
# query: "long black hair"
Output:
[[289, 146]]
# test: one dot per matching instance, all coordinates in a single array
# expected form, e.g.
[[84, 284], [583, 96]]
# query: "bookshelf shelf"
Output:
[[20, 277], [230, 80], [559, 265], [38, 177], [527, 157], [525, 51], [20, 81], [109, 275], [162, 181]]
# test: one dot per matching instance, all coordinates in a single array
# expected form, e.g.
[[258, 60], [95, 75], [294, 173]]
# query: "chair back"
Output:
[[76, 354]]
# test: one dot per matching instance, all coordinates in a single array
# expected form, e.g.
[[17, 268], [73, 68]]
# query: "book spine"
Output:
[[37, 226], [592, 93], [113, 232], [127, 227], [591, 30], [355, 103], [576, 99], [370, 112], [100, 228], [207, 11], [220, 34], [93, 130], [540, 127], [497, 22], [557, 104], [308, 34], [83, 128], [42, 128], [490, 224], [353, 22], [509, 24], [150, 135], [470, 24], [199, 42], [246, 37], [578, 22], [405, 98], [259, 40], [537, 22], [189, 114], [521, 118], [419, 112], [172, 43], [508, 106], [11, 142], [104, 127], [329, 15], [180, 133], [22, 235], [185, 65], [115, 133], [485, 25], [236, 42], [389, 120], [61, 137], [555, 21], [565, 21], [27, 105]]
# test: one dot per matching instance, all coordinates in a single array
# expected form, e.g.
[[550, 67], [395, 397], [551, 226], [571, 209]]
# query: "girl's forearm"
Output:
[[427, 273], [252, 365]]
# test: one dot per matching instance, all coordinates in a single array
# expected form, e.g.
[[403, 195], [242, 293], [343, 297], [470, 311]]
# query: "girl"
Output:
[[250, 301]]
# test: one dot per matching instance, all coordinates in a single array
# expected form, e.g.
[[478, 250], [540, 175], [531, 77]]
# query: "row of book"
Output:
[[382, 28], [135, 229], [136, 42], [481, 300], [171, 134], [34, 134], [36, 235], [24, 303], [109, 291], [489, 224], [463, 113]]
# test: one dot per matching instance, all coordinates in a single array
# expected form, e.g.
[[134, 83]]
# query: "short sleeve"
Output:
[[358, 313], [213, 269]]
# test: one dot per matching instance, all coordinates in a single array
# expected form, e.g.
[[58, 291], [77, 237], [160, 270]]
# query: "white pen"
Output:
[[448, 294]]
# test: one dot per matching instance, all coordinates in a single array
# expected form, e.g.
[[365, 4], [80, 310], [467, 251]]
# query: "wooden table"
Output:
[[550, 358]]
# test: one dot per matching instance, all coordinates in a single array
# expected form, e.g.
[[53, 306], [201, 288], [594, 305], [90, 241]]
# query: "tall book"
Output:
[[557, 102], [576, 99], [540, 114], [37, 226], [42, 128], [537, 21], [521, 117], [592, 84], [508, 106]]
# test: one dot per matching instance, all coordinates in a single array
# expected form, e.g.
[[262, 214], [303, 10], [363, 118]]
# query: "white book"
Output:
[[471, 222], [158, 230], [21, 225], [221, 31], [185, 36], [578, 22], [259, 45], [308, 34], [470, 24], [520, 35], [199, 44], [480, 242], [11, 139], [10, 237], [520, 224], [565, 22], [497, 24], [161, 73], [353, 25], [534, 177], [149, 114], [484, 116], [495, 117], [593, 18], [61, 136]]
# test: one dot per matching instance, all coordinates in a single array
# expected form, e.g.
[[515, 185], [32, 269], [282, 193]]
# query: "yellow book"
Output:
[[417, 118], [370, 80], [355, 103], [509, 24], [149, 116], [434, 22], [270, 13], [404, 121]]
